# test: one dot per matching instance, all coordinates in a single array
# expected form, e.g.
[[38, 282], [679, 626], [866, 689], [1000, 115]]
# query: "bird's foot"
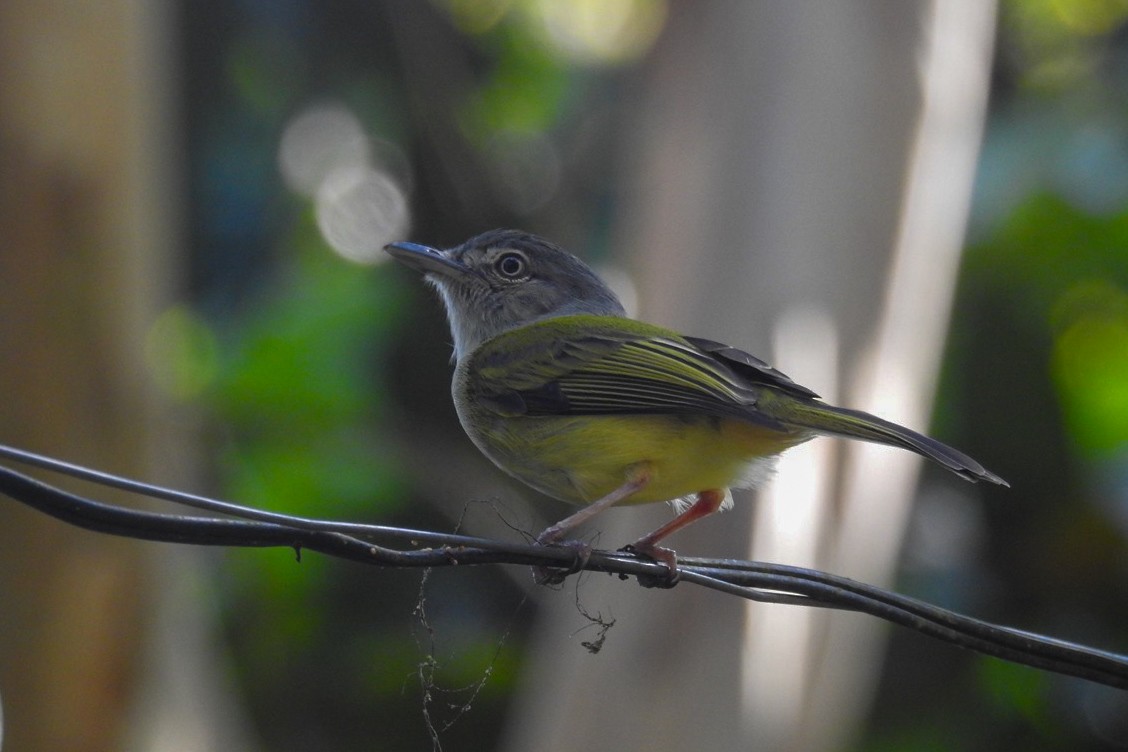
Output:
[[553, 576], [661, 555]]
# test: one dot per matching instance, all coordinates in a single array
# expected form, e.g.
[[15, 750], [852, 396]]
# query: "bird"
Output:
[[561, 390]]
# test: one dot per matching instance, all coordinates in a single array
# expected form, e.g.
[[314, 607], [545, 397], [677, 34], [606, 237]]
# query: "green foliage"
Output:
[[1058, 43], [524, 93], [1066, 272], [299, 393], [919, 737], [1038, 377], [1015, 689], [1090, 364], [301, 388]]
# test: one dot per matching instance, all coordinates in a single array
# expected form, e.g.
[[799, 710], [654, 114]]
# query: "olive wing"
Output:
[[594, 365]]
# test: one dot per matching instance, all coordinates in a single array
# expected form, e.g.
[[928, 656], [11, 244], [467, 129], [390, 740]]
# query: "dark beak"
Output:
[[427, 260]]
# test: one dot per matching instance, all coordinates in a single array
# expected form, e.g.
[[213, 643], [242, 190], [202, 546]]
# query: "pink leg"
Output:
[[583, 551], [554, 532], [707, 503]]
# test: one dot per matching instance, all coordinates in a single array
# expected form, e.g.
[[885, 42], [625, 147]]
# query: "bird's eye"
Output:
[[511, 265]]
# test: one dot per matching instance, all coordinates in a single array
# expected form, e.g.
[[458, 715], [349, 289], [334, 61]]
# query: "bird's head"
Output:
[[503, 279]]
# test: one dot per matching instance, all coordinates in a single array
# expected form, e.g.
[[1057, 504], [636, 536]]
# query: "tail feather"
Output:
[[855, 424]]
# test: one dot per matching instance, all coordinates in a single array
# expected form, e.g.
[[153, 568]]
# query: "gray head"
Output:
[[505, 278]]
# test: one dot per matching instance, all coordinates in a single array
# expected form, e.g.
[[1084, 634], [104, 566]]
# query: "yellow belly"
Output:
[[581, 459]]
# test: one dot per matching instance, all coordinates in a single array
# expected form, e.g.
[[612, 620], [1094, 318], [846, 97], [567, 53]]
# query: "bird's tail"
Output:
[[856, 424]]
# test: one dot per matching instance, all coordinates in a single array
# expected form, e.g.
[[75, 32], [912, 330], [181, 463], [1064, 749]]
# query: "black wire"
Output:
[[771, 583], [887, 604], [213, 505]]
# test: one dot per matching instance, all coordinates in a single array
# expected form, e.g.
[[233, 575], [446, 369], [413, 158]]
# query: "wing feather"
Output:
[[750, 366], [616, 367]]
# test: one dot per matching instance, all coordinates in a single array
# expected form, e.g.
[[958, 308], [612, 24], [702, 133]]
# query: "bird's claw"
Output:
[[553, 576], [660, 555]]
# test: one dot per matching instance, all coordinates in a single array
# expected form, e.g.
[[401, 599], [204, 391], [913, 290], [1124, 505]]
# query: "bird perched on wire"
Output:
[[561, 390]]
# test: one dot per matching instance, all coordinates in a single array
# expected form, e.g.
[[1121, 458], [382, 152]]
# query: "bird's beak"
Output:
[[427, 260]]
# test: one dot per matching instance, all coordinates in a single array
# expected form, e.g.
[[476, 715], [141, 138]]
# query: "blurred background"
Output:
[[916, 208]]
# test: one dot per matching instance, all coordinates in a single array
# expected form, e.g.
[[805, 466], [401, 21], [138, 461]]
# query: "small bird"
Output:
[[561, 390]]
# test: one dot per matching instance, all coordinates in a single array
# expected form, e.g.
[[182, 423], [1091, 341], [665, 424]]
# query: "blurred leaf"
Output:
[[1015, 688], [181, 353], [524, 93], [921, 737], [1091, 364], [1058, 42], [1047, 243], [301, 389], [1068, 271]]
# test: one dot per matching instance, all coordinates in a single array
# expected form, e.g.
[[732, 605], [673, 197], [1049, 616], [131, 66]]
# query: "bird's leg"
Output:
[[708, 502], [551, 534]]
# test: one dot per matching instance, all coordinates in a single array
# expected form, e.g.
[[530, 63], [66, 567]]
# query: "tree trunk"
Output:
[[87, 212]]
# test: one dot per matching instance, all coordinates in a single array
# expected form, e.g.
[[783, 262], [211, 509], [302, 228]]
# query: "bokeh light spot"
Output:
[[325, 154], [181, 353], [1090, 17], [359, 211], [1090, 364], [318, 141], [598, 32], [476, 16]]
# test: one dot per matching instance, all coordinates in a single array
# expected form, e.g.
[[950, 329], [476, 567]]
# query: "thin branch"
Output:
[[382, 545]]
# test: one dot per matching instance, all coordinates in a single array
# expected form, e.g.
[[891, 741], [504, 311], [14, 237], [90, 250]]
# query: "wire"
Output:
[[388, 546]]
